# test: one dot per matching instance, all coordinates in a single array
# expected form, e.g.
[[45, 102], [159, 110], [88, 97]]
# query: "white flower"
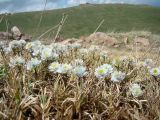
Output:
[[80, 71], [76, 45], [135, 90], [73, 46], [117, 76], [108, 67], [103, 71], [148, 63], [94, 48], [53, 67], [7, 50], [83, 51], [155, 72], [77, 62], [34, 62], [48, 54], [64, 68], [31, 45], [2, 45], [59, 48], [15, 44], [22, 43], [129, 60], [4, 48], [36, 50], [18, 60]]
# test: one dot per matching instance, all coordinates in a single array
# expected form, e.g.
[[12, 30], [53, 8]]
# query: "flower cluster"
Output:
[[53, 67], [2, 45], [33, 63], [103, 71], [16, 61], [30, 46], [77, 62], [60, 68], [135, 90], [155, 72], [34, 47], [16, 44], [80, 71], [83, 51], [59, 48], [117, 76], [48, 54], [40, 52], [94, 48], [148, 63], [59, 71]]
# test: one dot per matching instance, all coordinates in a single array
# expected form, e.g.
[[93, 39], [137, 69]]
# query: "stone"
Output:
[[26, 37], [16, 32], [141, 41], [5, 35]]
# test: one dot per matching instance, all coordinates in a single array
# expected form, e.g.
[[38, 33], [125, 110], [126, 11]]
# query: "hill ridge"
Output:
[[83, 20]]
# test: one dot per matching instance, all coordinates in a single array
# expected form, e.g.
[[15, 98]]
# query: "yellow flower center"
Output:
[[155, 72], [138, 92], [29, 45], [46, 53], [54, 65], [65, 67], [101, 71]]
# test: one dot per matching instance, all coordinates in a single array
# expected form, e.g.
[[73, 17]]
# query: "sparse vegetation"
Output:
[[113, 76], [83, 20], [74, 81]]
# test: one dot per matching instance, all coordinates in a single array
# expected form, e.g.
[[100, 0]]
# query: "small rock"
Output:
[[5, 35], [141, 41], [26, 37], [16, 32]]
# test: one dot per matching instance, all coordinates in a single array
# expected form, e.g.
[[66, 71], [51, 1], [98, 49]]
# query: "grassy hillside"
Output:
[[84, 19]]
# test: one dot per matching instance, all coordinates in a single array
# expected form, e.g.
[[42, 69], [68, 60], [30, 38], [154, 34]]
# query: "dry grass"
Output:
[[42, 95]]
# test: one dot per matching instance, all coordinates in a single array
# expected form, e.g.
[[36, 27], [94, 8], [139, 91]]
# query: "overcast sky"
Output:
[[34, 5]]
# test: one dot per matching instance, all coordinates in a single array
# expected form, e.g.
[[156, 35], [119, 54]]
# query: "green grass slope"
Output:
[[84, 19]]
